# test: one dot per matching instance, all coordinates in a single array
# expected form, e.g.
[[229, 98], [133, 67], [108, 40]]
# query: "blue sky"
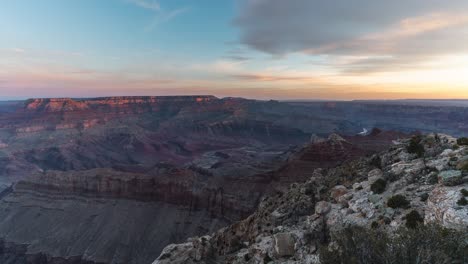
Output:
[[118, 28], [296, 49]]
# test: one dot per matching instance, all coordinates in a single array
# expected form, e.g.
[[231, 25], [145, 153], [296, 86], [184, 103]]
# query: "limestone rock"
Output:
[[442, 208], [374, 175], [439, 164], [284, 244], [322, 208], [337, 192], [450, 177]]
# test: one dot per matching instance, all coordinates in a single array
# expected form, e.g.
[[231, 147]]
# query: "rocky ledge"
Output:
[[69, 104], [417, 184]]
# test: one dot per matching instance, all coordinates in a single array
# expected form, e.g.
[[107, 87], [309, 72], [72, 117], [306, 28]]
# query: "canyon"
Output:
[[117, 179], [392, 207]]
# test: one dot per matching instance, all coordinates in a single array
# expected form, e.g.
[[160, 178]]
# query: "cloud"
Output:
[[147, 4], [161, 15], [165, 16], [386, 34], [237, 57], [18, 50], [273, 78]]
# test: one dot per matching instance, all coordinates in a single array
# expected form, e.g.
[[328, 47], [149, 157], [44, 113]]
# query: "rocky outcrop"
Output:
[[442, 207], [104, 103], [290, 227], [55, 105]]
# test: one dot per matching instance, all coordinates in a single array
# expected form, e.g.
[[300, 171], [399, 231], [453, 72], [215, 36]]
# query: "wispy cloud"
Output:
[[237, 57], [274, 78], [164, 16], [18, 50], [147, 4], [161, 15]]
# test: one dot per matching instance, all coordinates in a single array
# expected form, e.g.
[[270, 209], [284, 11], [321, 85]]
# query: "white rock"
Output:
[[374, 175], [284, 244], [322, 207], [442, 207], [447, 153], [337, 192]]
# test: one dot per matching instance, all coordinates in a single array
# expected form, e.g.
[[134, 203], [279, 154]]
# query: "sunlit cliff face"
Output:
[[298, 49]]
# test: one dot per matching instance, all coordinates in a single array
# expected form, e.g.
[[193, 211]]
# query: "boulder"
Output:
[[442, 208], [374, 175], [338, 191], [263, 248], [284, 244], [447, 153], [439, 164], [322, 208], [450, 177]]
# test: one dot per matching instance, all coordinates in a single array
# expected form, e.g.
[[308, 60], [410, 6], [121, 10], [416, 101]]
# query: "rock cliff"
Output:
[[397, 188]]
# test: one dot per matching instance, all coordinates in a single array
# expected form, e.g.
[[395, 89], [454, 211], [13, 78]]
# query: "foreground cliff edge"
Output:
[[407, 204]]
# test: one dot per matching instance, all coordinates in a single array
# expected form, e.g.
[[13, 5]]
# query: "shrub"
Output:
[[462, 141], [413, 219], [267, 259], [462, 201], [376, 161], [426, 244], [378, 186], [432, 178], [455, 147], [415, 146], [464, 192], [398, 201], [392, 177], [463, 166], [424, 197]]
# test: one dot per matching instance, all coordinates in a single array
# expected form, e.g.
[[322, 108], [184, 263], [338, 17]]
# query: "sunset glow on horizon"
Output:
[[263, 49]]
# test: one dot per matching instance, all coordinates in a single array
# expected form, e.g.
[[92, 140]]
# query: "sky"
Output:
[[263, 49]]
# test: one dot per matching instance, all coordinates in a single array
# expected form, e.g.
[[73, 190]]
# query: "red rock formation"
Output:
[[68, 104], [55, 105]]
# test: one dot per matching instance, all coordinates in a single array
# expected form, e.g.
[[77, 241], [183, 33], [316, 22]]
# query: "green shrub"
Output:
[[413, 219], [415, 146], [462, 141], [455, 147], [424, 197], [463, 166], [398, 201], [464, 192], [432, 178], [267, 259], [378, 186], [426, 244], [376, 161], [462, 201]]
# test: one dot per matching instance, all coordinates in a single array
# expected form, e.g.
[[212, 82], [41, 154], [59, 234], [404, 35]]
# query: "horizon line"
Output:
[[21, 98]]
